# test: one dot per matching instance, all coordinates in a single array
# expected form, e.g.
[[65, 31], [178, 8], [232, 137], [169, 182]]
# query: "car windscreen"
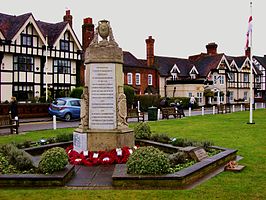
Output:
[[59, 102]]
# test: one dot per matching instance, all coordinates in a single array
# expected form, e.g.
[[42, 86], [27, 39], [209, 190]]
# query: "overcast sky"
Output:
[[180, 28]]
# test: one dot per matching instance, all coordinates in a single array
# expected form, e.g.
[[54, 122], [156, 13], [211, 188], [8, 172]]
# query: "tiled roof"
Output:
[[53, 31], [131, 60], [165, 64], [206, 63], [10, 25], [261, 60], [239, 60]]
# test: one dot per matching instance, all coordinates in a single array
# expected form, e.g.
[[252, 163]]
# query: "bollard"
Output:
[[233, 108], [138, 106], [202, 110], [241, 107], [213, 110], [158, 114], [189, 111], [54, 122]]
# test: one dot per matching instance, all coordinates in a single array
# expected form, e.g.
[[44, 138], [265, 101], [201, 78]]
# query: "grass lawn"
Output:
[[229, 130]]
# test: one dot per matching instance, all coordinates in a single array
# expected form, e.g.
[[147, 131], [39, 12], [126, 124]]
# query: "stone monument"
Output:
[[103, 109]]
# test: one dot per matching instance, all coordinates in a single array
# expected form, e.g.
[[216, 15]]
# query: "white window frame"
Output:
[[149, 79], [214, 80], [246, 78], [129, 79], [200, 97], [137, 76], [221, 80], [231, 96], [245, 96]]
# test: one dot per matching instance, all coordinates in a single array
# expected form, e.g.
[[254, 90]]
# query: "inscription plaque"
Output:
[[200, 154], [102, 93]]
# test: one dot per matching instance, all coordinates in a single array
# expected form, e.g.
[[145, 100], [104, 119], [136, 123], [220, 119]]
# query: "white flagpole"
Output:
[[46, 68], [251, 74]]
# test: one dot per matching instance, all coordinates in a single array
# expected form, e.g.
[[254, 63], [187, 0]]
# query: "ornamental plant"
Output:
[[142, 131], [148, 160], [17, 157], [178, 158], [54, 159]]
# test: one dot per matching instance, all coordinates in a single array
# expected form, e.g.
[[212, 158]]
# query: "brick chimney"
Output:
[[68, 18], [150, 51], [87, 32], [247, 52], [211, 48]]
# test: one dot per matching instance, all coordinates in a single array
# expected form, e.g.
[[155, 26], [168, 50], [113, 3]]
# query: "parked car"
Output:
[[65, 108]]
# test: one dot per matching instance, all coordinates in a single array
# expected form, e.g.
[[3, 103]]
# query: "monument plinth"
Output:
[[106, 107]]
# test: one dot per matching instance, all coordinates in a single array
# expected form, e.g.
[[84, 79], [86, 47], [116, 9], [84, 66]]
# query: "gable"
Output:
[[175, 69], [72, 38], [1, 36], [34, 30], [223, 64], [193, 70]]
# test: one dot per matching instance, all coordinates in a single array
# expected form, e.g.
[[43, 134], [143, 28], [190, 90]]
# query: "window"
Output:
[[193, 76], [199, 96], [231, 95], [245, 96], [246, 78], [214, 80], [64, 45], [221, 80], [232, 76], [150, 79], [23, 91], [23, 63], [190, 94], [26, 40], [75, 103], [62, 66], [137, 78], [129, 78]]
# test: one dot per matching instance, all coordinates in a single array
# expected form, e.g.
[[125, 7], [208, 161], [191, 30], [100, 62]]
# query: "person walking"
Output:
[[192, 101], [14, 107]]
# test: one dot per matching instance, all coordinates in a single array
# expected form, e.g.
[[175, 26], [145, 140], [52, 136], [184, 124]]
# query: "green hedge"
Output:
[[147, 101], [76, 92]]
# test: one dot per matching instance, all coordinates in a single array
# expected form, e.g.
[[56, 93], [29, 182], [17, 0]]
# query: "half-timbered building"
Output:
[[24, 70]]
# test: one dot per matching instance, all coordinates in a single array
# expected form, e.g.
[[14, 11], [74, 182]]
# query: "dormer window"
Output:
[[26, 40], [64, 45], [193, 73], [174, 72], [193, 76]]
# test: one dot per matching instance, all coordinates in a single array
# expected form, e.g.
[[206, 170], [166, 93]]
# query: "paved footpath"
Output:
[[91, 177]]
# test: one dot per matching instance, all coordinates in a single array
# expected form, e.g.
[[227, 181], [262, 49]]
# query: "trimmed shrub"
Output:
[[142, 131], [161, 137], [54, 159], [183, 142], [130, 94], [147, 101], [178, 158], [76, 92], [148, 160], [17, 157]]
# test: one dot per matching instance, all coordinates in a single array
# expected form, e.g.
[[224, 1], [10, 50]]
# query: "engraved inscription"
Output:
[[200, 154], [102, 105]]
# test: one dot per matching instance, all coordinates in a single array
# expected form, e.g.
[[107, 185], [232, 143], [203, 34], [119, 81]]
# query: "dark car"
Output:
[[65, 108]]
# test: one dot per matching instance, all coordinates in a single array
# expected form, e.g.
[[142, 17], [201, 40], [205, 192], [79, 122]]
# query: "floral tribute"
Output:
[[90, 158]]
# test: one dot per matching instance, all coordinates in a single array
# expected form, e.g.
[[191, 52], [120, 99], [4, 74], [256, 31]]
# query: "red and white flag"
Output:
[[249, 32]]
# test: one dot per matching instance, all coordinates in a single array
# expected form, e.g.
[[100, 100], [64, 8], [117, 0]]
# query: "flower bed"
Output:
[[89, 158], [186, 178]]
